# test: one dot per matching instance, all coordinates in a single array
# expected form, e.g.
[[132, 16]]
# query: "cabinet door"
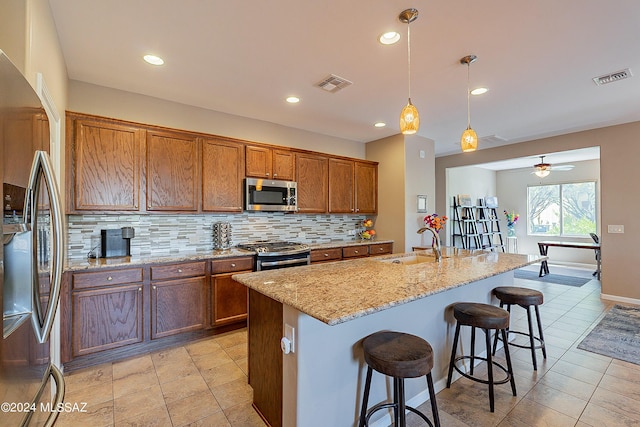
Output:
[[222, 174], [229, 300], [177, 306], [258, 161], [106, 318], [106, 166], [172, 172], [366, 188], [341, 186], [283, 165], [312, 176]]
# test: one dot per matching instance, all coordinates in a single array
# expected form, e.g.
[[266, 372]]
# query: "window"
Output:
[[562, 209]]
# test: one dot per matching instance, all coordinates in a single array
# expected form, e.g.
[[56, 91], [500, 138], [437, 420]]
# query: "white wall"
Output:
[[512, 195]]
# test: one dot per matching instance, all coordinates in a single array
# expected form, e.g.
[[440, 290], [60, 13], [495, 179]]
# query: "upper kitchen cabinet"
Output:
[[270, 163], [222, 174], [353, 186], [313, 182], [172, 171], [104, 159]]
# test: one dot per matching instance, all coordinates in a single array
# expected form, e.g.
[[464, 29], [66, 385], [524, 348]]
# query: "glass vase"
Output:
[[511, 230]]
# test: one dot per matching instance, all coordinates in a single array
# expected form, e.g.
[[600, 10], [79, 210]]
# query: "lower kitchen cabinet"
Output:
[[228, 297], [177, 306], [106, 317]]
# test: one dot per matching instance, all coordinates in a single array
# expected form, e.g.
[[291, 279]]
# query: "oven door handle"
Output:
[[285, 262]]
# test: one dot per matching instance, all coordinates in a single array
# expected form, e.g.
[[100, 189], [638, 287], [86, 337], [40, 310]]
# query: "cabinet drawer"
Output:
[[320, 255], [105, 278], [176, 271], [229, 265], [380, 248], [355, 251]]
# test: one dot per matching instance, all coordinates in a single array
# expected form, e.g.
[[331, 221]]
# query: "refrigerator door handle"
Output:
[[60, 388], [42, 165]]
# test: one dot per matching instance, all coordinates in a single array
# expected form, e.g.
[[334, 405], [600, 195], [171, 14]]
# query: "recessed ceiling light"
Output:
[[293, 99], [153, 60], [389, 38], [379, 124], [479, 91]]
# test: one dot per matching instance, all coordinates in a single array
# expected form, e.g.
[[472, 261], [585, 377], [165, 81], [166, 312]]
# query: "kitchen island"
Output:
[[326, 310]]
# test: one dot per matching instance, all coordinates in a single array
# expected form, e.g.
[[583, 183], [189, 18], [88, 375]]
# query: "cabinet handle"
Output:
[[179, 270], [357, 210], [109, 278], [233, 264]]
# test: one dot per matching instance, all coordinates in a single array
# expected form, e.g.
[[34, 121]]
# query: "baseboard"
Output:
[[616, 298]]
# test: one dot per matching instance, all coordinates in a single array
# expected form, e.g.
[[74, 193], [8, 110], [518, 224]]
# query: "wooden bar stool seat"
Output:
[[398, 355], [486, 317], [525, 298]]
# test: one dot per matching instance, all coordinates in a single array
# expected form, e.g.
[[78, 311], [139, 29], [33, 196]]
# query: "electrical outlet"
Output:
[[617, 229]]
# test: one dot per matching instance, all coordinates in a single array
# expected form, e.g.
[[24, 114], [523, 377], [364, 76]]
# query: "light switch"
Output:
[[615, 229]]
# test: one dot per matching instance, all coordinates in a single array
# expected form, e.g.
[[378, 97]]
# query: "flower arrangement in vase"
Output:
[[512, 218], [368, 233], [434, 221]]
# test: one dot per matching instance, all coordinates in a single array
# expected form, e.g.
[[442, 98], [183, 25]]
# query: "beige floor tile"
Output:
[[239, 351], [98, 393], [243, 415], [587, 360], [598, 416], [243, 364], [211, 360], [191, 385], [615, 402], [233, 393], [134, 365], [446, 419], [100, 415], [625, 372], [577, 372], [568, 385], [173, 364], [232, 338], [222, 374], [142, 400], [219, 419], [153, 418], [625, 364], [621, 386], [530, 413], [465, 407], [134, 383], [191, 409], [201, 347], [557, 400], [89, 377]]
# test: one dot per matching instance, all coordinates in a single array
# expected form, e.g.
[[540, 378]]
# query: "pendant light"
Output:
[[469, 139], [409, 118]]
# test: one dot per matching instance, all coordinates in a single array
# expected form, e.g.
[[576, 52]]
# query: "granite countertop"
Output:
[[341, 291], [132, 261]]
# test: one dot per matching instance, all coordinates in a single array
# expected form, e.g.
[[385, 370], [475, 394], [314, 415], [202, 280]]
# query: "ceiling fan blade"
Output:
[[563, 168]]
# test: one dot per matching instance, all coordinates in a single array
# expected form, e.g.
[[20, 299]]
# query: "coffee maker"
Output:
[[116, 243]]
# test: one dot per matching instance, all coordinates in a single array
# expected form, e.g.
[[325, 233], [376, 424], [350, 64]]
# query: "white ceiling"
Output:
[[537, 58], [562, 158]]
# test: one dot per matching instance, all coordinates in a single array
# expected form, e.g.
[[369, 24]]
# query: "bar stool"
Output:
[[525, 298], [398, 355], [486, 317]]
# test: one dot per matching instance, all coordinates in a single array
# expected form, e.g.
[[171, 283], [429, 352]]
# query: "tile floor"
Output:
[[205, 383]]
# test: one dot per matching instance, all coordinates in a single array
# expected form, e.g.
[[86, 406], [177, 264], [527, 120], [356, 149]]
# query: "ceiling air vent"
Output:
[[492, 139], [333, 83], [613, 77]]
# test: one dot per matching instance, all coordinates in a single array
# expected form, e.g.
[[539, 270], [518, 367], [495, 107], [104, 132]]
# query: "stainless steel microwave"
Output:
[[268, 195]]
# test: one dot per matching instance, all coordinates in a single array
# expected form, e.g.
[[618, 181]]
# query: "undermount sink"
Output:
[[410, 259]]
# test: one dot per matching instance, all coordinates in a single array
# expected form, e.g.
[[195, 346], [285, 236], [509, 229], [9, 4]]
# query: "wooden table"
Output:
[[544, 248]]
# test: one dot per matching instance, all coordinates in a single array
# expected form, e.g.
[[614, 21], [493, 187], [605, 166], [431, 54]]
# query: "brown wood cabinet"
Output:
[[355, 251], [312, 177], [272, 163], [105, 166], [353, 187], [228, 297], [107, 310], [172, 171], [222, 175], [326, 255], [178, 298], [380, 249]]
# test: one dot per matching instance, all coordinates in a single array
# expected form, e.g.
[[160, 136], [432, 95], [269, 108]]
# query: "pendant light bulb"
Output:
[[409, 117], [469, 139]]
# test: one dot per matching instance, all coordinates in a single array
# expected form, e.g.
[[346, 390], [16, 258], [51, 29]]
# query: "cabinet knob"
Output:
[[155, 287], [179, 270], [267, 174], [233, 264], [356, 252], [109, 278], [275, 174], [357, 210], [326, 255], [139, 289]]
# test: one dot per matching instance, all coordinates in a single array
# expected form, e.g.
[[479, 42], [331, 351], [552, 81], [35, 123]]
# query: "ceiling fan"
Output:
[[543, 169]]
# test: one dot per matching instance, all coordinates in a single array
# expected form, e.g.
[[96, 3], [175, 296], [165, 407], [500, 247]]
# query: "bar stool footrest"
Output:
[[537, 347], [385, 405], [480, 380]]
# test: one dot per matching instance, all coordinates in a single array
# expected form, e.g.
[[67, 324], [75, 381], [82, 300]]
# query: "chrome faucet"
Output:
[[435, 245]]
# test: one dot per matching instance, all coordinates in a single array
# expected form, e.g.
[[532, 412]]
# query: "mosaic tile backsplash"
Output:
[[174, 234]]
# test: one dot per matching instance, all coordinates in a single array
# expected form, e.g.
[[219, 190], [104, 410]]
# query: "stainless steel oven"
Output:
[[277, 254]]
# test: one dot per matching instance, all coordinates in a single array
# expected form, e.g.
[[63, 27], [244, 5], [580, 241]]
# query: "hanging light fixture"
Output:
[[469, 139], [542, 169], [409, 118]]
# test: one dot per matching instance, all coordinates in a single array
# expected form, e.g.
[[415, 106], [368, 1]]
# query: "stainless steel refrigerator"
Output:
[[31, 387]]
